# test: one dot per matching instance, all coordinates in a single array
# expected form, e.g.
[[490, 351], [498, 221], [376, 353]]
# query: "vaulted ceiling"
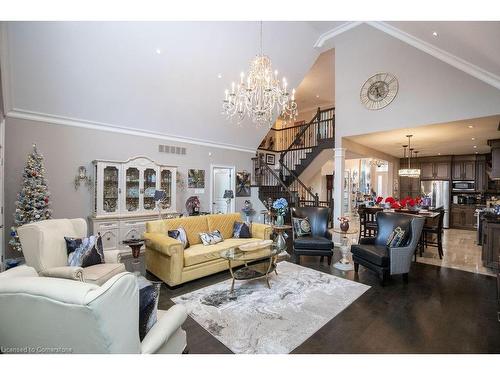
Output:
[[168, 78]]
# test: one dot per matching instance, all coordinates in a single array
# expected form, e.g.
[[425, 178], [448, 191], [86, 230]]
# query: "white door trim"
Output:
[[233, 184]]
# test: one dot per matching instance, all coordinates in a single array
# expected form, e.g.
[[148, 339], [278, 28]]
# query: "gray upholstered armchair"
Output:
[[373, 253]]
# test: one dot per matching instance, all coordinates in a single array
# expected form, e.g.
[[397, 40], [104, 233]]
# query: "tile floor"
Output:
[[459, 248]]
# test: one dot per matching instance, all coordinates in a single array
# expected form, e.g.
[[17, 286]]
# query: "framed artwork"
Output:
[[196, 178], [270, 159], [243, 184]]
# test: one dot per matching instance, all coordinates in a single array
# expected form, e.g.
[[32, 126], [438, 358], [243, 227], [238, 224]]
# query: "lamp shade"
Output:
[[160, 195], [228, 194]]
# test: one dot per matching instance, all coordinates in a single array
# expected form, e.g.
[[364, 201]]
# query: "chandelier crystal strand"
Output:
[[260, 94]]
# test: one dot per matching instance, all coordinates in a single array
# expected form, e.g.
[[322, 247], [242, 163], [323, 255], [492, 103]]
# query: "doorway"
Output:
[[222, 180]]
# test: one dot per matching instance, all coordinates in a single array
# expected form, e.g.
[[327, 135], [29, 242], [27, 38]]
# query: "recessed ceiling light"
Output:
[[474, 146], [219, 75], [435, 34], [470, 126], [477, 152], [158, 51], [317, 96], [439, 153], [473, 139]]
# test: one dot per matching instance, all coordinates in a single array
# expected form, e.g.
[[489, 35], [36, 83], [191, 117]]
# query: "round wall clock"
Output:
[[379, 90]]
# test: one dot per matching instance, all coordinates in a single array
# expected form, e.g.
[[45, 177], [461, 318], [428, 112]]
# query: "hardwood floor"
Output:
[[440, 310]]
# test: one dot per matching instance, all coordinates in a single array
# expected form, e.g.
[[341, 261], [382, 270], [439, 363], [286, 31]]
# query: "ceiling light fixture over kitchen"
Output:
[[409, 171]]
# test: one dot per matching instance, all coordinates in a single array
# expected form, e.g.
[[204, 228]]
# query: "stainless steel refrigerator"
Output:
[[439, 193]]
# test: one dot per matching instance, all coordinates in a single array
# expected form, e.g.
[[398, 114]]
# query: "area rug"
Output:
[[256, 319]]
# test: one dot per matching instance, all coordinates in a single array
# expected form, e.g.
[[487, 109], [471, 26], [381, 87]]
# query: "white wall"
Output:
[[430, 91], [66, 148]]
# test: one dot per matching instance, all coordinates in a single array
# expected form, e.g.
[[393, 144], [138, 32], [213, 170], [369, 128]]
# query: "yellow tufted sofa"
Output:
[[166, 258]]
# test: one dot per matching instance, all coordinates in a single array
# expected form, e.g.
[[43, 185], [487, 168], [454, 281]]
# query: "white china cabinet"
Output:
[[124, 198]]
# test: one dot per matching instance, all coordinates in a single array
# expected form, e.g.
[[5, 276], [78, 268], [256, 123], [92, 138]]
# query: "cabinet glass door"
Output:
[[149, 189], [132, 189], [166, 186], [110, 190]]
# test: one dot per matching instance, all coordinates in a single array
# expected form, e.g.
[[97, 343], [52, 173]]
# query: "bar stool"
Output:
[[435, 228]]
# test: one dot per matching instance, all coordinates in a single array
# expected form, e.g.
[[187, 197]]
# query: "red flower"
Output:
[[390, 200], [378, 200], [411, 202], [395, 205]]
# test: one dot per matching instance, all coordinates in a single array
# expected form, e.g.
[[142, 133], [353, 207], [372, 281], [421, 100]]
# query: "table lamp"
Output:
[[160, 195], [228, 195]]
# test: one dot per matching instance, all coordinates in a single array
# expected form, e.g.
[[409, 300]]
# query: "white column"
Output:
[[338, 185]]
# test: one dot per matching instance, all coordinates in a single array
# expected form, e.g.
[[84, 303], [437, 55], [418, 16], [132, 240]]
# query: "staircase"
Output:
[[298, 146]]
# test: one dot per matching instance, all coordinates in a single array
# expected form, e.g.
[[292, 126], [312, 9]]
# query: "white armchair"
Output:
[[51, 315], [44, 249]]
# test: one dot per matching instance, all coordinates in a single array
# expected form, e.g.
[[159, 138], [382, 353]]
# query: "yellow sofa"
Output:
[[166, 258]]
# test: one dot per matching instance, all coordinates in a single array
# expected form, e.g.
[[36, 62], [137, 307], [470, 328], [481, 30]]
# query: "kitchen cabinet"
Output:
[[481, 177], [491, 244], [409, 186], [463, 217], [464, 169], [438, 170]]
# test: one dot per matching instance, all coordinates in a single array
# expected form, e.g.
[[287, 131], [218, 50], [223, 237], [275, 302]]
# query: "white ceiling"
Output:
[[475, 42], [109, 73], [453, 138], [317, 89]]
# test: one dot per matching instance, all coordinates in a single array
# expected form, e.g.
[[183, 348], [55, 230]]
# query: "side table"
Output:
[[135, 264], [344, 264], [280, 242]]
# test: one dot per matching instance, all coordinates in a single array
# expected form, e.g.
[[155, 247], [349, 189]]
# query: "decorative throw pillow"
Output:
[[241, 230], [84, 252], [148, 305], [211, 238], [302, 226], [396, 238], [180, 235]]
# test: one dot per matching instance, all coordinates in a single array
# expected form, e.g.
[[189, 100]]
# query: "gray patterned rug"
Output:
[[255, 319]]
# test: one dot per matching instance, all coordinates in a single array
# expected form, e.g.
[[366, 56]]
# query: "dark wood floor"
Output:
[[440, 310]]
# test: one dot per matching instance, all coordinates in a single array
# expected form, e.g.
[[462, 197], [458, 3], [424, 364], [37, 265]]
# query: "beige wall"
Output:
[[65, 148]]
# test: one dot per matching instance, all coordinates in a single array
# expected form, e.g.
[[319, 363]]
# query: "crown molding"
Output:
[[438, 53], [323, 38], [17, 113]]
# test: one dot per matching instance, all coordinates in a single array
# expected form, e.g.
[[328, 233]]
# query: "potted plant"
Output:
[[281, 207]]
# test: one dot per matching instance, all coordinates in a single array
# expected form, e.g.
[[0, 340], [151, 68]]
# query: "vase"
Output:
[[280, 220], [344, 226]]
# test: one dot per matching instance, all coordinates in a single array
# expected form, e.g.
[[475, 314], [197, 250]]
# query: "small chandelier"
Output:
[[409, 171], [260, 96], [377, 163]]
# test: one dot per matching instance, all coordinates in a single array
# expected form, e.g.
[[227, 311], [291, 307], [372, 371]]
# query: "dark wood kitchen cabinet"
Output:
[[463, 217], [464, 168], [491, 244], [435, 168], [481, 177]]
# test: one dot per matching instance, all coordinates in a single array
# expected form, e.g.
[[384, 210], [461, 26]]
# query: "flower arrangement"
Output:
[[343, 219], [378, 200], [344, 223], [407, 202], [281, 206]]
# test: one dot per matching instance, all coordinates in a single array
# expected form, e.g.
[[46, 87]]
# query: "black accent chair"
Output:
[[373, 253], [319, 243]]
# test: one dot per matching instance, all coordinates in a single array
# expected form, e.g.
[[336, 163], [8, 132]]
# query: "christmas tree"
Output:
[[33, 200]]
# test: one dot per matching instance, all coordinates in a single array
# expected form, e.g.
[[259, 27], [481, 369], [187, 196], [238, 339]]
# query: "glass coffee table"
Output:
[[258, 264]]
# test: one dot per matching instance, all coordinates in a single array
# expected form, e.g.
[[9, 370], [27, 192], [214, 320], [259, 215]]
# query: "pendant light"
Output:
[[409, 171]]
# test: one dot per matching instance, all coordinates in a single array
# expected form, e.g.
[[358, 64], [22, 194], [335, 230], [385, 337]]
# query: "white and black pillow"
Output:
[[148, 305], [84, 252], [396, 238], [211, 238], [180, 235], [241, 230], [301, 226]]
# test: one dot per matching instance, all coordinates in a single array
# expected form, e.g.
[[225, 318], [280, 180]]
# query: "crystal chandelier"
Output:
[[409, 171], [377, 163], [260, 96]]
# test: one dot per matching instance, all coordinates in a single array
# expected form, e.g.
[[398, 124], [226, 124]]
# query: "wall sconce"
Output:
[[82, 178]]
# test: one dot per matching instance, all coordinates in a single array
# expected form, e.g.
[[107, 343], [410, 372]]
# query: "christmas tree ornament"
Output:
[[33, 201]]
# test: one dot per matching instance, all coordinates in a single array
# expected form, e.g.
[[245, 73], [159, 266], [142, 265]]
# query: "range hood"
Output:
[[495, 158]]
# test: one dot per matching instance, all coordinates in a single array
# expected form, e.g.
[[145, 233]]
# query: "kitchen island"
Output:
[[491, 241]]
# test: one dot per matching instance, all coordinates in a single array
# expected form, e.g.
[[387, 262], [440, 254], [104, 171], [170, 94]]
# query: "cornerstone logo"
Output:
[[34, 350]]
